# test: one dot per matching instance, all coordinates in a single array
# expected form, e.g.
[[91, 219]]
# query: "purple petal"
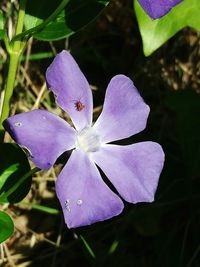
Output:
[[158, 8], [134, 170], [124, 112], [71, 89], [42, 134], [84, 197]]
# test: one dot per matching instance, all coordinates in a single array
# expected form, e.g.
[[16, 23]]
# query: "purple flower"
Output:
[[158, 8], [133, 169]]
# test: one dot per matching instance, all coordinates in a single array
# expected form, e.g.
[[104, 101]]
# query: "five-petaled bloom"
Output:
[[158, 8], [134, 170]]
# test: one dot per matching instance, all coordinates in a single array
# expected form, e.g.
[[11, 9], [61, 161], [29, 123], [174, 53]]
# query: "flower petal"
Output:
[[42, 134], [158, 8], [71, 89], [134, 170], [84, 197], [124, 112]]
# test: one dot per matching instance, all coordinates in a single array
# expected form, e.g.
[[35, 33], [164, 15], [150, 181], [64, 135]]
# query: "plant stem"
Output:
[[9, 87], [15, 52], [18, 183], [20, 21]]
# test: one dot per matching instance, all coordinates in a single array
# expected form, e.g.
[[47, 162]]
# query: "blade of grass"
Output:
[[87, 246], [36, 56], [40, 208]]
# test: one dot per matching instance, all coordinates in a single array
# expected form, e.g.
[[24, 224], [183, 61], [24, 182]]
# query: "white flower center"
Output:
[[88, 140]]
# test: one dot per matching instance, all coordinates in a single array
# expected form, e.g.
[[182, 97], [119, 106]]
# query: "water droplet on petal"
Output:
[[67, 205], [79, 202], [18, 124]]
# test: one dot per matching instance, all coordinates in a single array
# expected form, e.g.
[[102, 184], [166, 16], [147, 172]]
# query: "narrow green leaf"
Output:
[[38, 207], [37, 56], [113, 247], [89, 249], [156, 32], [6, 226]]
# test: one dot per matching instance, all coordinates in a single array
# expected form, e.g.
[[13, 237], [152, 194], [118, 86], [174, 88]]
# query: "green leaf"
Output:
[[6, 226], [39, 13], [14, 165], [2, 22], [76, 15], [7, 172], [49, 20], [156, 32]]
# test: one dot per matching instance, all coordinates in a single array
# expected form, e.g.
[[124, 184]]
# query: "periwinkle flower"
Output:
[[158, 8], [134, 169]]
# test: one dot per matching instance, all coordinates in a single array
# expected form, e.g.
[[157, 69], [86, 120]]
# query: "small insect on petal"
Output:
[[79, 105]]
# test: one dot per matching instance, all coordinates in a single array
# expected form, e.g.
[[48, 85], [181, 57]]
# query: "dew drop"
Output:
[[67, 205], [79, 202], [18, 124]]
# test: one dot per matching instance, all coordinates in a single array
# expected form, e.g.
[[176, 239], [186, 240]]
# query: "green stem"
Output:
[[15, 52], [6, 42], [20, 21], [9, 87], [18, 183]]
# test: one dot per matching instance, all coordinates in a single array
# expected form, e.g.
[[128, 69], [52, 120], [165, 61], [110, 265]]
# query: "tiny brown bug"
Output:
[[79, 105]]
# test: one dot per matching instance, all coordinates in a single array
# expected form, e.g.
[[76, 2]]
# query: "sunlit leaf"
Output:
[[40, 11], [156, 32], [77, 14], [54, 20]]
